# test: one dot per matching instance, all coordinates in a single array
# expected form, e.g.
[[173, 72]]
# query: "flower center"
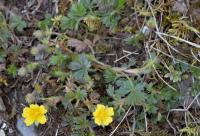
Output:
[[35, 113], [103, 115]]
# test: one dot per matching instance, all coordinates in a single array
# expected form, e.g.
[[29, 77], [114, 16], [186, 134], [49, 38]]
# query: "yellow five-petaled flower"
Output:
[[34, 114], [103, 115]]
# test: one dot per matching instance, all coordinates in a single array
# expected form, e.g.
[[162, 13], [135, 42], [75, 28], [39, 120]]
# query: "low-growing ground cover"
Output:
[[99, 67]]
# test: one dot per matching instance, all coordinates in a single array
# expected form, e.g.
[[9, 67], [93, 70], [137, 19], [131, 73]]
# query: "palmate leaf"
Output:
[[81, 95], [81, 122], [12, 70], [110, 91], [120, 4], [75, 65], [174, 75], [110, 75], [67, 23], [86, 3], [135, 98], [58, 58], [132, 91], [80, 63], [62, 75], [18, 23], [139, 86], [77, 10], [125, 86], [111, 20], [195, 71], [80, 68], [45, 23], [76, 13], [81, 75]]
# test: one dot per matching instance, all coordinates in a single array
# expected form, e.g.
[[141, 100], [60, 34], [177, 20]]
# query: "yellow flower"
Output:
[[34, 114], [103, 115]]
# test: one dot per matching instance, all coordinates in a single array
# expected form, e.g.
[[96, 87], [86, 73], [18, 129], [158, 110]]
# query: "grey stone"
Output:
[[2, 106], [2, 133], [24, 130], [180, 7]]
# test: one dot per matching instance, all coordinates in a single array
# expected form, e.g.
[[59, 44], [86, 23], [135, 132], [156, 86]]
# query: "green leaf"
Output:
[[70, 96], [81, 95], [110, 91], [58, 58], [134, 39], [5, 34], [81, 75], [18, 23], [150, 64], [151, 103], [80, 68], [135, 98], [169, 97], [46, 23], [75, 65], [174, 75], [4, 31], [81, 122], [121, 4], [74, 16], [125, 86], [81, 62], [110, 20], [110, 75], [3, 55], [86, 3], [31, 66], [151, 108], [68, 23], [168, 94], [151, 23], [139, 86], [195, 71], [12, 70], [77, 10], [62, 75]]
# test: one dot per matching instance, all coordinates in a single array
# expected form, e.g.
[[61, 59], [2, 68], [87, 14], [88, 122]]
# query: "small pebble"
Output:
[[10, 130], [2, 133], [146, 30], [4, 126]]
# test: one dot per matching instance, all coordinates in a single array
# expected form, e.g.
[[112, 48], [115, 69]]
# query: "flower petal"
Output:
[[43, 109], [29, 121], [100, 107], [34, 106], [97, 121], [96, 113], [110, 111], [42, 119], [26, 112], [107, 121]]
